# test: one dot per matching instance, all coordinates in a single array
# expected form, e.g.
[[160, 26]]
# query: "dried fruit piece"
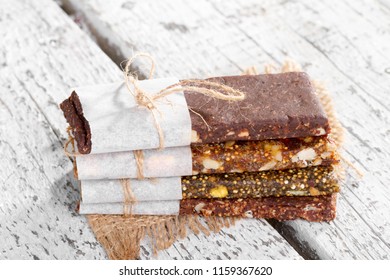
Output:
[[219, 192]]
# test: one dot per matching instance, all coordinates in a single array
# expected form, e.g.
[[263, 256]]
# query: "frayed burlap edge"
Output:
[[121, 235]]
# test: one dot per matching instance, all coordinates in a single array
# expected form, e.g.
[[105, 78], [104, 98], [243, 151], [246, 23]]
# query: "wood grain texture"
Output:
[[42, 54], [344, 43]]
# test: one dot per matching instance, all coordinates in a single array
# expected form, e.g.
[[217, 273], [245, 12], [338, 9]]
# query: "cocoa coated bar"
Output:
[[313, 209]]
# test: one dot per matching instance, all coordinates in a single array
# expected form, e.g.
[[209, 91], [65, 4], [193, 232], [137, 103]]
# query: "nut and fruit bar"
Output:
[[240, 156]]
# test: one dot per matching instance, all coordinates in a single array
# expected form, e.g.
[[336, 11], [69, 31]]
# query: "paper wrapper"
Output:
[[118, 123], [167, 207], [228, 157], [168, 162], [156, 189]]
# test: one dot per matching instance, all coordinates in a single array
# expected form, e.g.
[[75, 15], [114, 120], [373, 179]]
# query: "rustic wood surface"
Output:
[[344, 43], [42, 54]]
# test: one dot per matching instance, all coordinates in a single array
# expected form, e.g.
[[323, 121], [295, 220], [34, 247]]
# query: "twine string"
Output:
[[139, 160], [129, 199]]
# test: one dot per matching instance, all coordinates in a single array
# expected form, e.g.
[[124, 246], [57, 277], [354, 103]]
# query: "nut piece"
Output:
[[277, 155], [317, 161], [219, 192], [199, 207], [229, 144], [243, 133], [248, 214], [194, 137], [236, 170], [319, 131], [211, 164], [269, 165], [274, 150], [207, 212], [304, 155], [314, 191], [296, 193], [310, 208], [325, 155]]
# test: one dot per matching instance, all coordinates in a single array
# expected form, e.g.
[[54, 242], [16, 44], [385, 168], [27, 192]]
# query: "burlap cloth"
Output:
[[121, 235]]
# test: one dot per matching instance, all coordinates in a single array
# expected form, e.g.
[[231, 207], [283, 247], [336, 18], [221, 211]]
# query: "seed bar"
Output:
[[311, 181]]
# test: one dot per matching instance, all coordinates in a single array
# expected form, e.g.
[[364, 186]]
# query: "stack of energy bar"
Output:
[[267, 156]]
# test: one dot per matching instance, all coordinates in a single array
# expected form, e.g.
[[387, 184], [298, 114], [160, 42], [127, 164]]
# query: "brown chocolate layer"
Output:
[[314, 209], [73, 112], [276, 106]]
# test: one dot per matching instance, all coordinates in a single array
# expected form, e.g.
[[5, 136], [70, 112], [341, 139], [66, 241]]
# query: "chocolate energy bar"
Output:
[[314, 209], [311, 181], [276, 106]]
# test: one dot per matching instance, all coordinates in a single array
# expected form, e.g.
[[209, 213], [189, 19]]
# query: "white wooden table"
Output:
[[43, 53]]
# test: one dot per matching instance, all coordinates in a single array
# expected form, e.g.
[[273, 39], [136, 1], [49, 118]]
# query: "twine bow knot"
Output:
[[212, 89]]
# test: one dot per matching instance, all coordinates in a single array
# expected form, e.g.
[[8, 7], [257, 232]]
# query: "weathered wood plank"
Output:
[[43, 54], [342, 42]]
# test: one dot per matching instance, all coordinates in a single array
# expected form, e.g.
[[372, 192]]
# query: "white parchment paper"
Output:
[[168, 207], [118, 123], [111, 191], [169, 162]]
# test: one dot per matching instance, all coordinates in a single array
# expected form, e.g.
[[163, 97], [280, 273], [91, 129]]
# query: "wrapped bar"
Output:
[[227, 157], [311, 181], [314, 209], [106, 119]]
